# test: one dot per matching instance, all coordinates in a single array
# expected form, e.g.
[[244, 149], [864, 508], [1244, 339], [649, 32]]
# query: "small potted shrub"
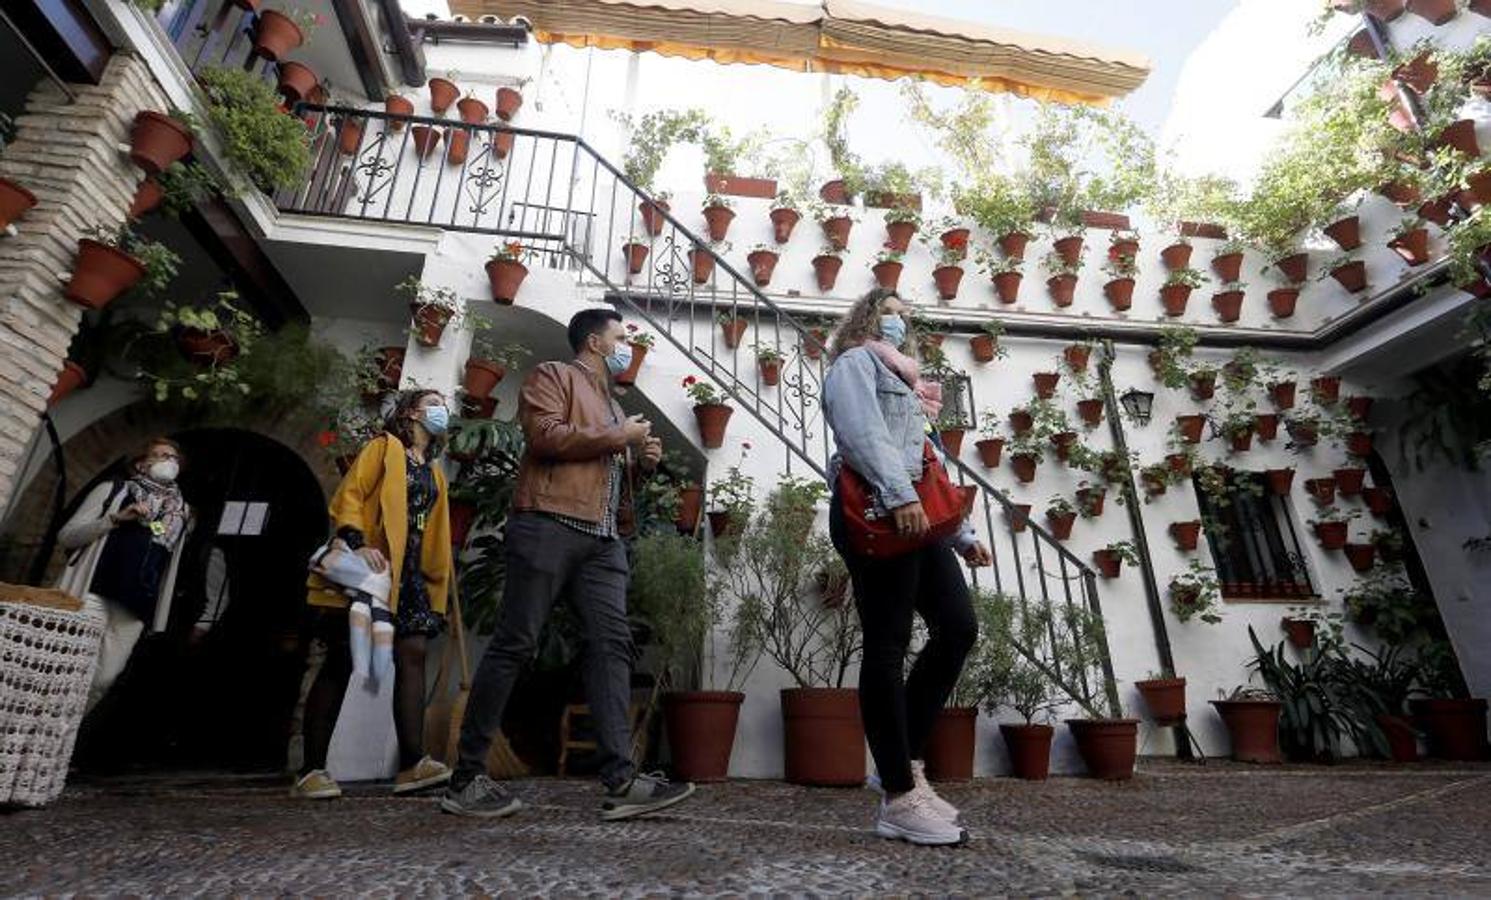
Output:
[[990, 445], [1331, 524], [431, 309], [769, 362], [1177, 289], [985, 345], [1061, 278], [887, 267], [948, 274], [506, 271], [901, 225], [711, 412], [1006, 275], [1119, 289], [1060, 515], [1110, 559], [1194, 594]]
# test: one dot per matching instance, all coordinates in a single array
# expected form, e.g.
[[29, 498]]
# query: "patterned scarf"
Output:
[[167, 509], [909, 371]]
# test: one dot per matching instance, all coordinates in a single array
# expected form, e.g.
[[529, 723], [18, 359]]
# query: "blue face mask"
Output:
[[620, 359], [436, 419], [893, 329]]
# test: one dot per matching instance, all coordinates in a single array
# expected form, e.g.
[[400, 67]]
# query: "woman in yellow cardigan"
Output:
[[392, 510]]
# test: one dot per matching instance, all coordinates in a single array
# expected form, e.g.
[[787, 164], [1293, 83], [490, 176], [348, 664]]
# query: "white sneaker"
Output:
[[910, 818], [939, 805]]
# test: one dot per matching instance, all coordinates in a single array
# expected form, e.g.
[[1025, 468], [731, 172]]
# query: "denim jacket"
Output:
[[879, 429]]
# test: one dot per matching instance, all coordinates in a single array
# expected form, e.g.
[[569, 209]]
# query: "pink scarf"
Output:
[[909, 371]]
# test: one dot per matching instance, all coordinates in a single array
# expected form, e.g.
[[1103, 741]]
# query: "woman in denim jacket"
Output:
[[879, 409]]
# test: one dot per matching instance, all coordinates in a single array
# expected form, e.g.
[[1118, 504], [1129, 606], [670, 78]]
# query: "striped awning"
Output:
[[840, 36]]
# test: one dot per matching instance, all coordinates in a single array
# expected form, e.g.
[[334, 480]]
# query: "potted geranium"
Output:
[[1194, 594], [718, 213], [951, 425], [711, 412], [1238, 427], [641, 342], [826, 266], [1061, 276], [1006, 275], [947, 275], [506, 271], [952, 235], [785, 215], [1060, 515], [112, 261], [763, 261], [990, 445], [1177, 289], [887, 267], [1110, 559], [634, 250], [1119, 289], [769, 361], [431, 309], [985, 345]]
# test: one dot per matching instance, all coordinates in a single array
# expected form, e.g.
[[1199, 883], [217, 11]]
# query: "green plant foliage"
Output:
[[653, 135], [668, 592], [272, 148]]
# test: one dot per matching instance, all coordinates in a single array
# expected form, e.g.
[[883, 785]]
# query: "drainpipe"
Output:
[[1136, 526]]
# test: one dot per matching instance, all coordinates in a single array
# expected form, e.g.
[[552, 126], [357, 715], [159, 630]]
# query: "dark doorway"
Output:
[[218, 689]]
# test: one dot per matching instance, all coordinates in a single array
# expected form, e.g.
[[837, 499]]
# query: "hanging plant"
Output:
[[784, 217], [1061, 280], [273, 149], [1228, 301], [1411, 241], [112, 261], [506, 271], [211, 339], [1110, 559], [1349, 272], [711, 412], [763, 262], [1060, 515], [718, 213], [985, 345], [1005, 273], [826, 266], [1176, 345], [1194, 594], [990, 445], [431, 310], [887, 268], [1227, 260], [948, 274], [1331, 526], [1177, 289], [1119, 289], [900, 226]]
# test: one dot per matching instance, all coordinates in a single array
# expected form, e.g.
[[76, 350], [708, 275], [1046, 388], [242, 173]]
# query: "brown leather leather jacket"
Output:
[[572, 428]]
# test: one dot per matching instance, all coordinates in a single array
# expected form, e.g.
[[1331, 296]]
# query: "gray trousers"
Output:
[[544, 560]]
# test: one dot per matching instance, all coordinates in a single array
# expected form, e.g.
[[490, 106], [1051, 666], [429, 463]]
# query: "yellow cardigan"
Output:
[[373, 498]]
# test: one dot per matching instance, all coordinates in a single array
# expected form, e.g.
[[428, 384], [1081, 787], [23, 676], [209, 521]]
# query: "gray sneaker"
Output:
[[480, 798], [643, 794]]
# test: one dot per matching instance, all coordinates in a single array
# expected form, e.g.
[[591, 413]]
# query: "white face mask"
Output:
[[164, 471]]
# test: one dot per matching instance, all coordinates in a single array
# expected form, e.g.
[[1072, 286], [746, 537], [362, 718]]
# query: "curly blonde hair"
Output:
[[861, 323]]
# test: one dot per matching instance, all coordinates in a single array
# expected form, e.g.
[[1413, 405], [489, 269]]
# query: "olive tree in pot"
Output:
[[1007, 675], [792, 607]]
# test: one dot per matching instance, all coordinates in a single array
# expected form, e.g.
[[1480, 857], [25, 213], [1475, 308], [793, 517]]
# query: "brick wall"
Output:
[[67, 155]]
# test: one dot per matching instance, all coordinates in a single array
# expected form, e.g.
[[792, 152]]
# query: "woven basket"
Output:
[[48, 653]]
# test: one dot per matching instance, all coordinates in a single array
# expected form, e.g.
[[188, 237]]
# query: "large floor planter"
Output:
[[276, 35], [100, 274], [949, 750], [701, 732], [1108, 746], [506, 277], [1456, 728], [1254, 728], [712, 419], [14, 201], [824, 737], [157, 141], [1165, 698], [1029, 748]]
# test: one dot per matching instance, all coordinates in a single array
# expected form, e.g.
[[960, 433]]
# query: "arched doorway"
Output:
[[218, 689]]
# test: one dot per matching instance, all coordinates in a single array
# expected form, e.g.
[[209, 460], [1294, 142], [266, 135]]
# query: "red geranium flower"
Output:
[[326, 439], [957, 241], [690, 381]]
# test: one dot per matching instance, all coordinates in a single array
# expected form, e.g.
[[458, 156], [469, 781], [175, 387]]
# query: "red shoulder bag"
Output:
[[873, 533]]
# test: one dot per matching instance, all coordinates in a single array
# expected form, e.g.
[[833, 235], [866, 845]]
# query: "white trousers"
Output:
[[122, 631]]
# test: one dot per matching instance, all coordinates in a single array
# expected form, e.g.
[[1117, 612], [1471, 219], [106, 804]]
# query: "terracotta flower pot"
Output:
[[1295, 268], [1456, 728], [1402, 738], [157, 141], [1460, 135], [14, 202], [1091, 411], [1359, 443], [782, 222], [1349, 480], [502, 145], [1120, 293], [1436, 211], [1187, 535], [429, 322], [989, 451], [1379, 500], [1282, 393], [206, 348], [1282, 302], [1176, 256], [1254, 728], [1069, 249], [639, 355], [1062, 288], [1304, 434], [826, 271], [949, 750], [1045, 384], [1029, 748], [1228, 266], [148, 196], [349, 136], [1007, 286], [1108, 562], [482, 376], [956, 240], [472, 111], [426, 139], [1280, 481], [1189, 428], [1401, 193], [825, 742], [1412, 246], [1203, 385], [983, 347], [771, 371], [1021, 421], [1325, 389], [458, 146], [72, 377], [1228, 305], [898, 235], [635, 255], [1300, 632], [1153, 483], [100, 274], [952, 440], [396, 105], [1361, 556], [1174, 298], [717, 221], [712, 419], [1332, 535], [1023, 465], [1165, 698], [1179, 463], [297, 81], [834, 191], [509, 101], [1077, 356], [702, 263], [1438, 12], [443, 93], [389, 363], [690, 504], [1321, 490], [1108, 746], [732, 330], [815, 342], [1359, 407], [836, 231], [1061, 524], [887, 274], [1012, 245], [1266, 425], [1018, 515], [275, 35], [1242, 441], [652, 215], [1063, 441], [762, 263], [1347, 232], [947, 279], [701, 732], [506, 277]]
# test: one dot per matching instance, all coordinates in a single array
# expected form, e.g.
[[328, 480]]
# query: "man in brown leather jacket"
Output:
[[571, 506]]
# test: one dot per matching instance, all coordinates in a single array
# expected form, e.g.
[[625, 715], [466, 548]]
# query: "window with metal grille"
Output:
[[1253, 539]]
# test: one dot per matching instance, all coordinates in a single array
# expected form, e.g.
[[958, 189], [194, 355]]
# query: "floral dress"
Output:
[[414, 615]]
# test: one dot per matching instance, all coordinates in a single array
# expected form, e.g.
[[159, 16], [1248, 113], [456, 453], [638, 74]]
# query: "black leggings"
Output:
[[899, 710], [324, 702]]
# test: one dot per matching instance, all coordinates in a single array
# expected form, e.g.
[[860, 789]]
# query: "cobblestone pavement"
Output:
[[1221, 829]]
